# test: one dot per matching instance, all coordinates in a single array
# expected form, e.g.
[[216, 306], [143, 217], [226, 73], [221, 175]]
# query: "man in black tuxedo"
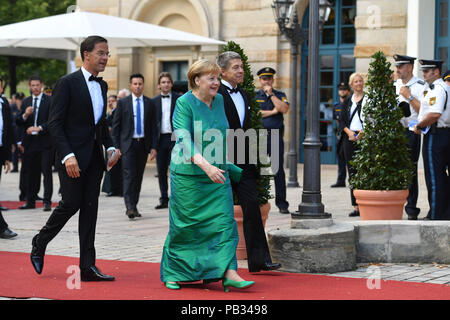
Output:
[[78, 128], [165, 105], [134, 133], [6, 140], [237, 110], [38, 153]]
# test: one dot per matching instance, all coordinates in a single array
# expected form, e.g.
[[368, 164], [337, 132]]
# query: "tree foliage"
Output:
[[12, 11], [383, 161], [263, 181]]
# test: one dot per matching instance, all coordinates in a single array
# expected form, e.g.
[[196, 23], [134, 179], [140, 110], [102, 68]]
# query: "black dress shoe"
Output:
[[412, 217], [137, 214], [93, 274], [338, 185], [354, 213], [2, 208], [47, 207], [130, 213], [7, 234], [284, 211], [268, 266], [162, 205], [28, 206], [37, 256]]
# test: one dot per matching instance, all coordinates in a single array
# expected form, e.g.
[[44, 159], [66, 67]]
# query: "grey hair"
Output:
[[224, 58]]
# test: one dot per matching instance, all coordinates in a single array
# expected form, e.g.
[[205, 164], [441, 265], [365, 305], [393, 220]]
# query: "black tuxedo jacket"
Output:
[[71, 122], [42, 141], [8, 132], [123, 124], [234, 122], [158, 105]]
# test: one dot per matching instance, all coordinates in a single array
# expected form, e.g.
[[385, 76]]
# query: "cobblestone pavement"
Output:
[[142, 239]]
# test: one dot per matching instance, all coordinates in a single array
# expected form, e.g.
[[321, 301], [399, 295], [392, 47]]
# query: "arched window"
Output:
[[336, 64]]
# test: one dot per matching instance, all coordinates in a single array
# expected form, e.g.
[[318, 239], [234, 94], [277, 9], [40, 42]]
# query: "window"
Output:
[[442, 33], [178, 70]]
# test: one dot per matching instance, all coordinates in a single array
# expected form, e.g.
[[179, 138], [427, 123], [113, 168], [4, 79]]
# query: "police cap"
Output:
[[401, 60], [446, 76], [266, 72], [343, 86], [430, 64]]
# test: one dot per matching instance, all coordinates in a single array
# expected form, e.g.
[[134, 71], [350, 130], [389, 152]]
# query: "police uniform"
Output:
[[416, 86], [342, 166], [274, 122], [436, 145]]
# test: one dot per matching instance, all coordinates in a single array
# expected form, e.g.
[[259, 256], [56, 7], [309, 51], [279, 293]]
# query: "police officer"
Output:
[[434, 123], [344, 94], [409, 91], [274, 104]]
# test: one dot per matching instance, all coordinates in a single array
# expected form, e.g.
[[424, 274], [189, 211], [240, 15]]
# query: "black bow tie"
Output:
[[431, 86], [94, 78], [235, 90], [165, 96]]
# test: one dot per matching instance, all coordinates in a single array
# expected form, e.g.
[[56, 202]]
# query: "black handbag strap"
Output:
[[357, 109]]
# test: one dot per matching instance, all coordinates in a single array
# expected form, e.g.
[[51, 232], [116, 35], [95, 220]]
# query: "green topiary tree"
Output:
[[383, 161], [263, 181]]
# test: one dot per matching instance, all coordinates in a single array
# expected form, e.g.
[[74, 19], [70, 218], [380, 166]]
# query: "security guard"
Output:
[[434, 122], [409, 91], [273, 105], [344, 94]]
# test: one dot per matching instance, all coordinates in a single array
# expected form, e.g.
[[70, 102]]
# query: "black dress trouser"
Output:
[[77, 194], [255, 236], [162, 164], [414, 152]]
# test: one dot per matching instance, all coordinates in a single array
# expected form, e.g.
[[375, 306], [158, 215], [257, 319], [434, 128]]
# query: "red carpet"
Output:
[[13, 205], [140, 281]]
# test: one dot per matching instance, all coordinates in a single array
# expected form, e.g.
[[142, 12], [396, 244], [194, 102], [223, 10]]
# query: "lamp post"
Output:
[[285, 12], [311, 206]]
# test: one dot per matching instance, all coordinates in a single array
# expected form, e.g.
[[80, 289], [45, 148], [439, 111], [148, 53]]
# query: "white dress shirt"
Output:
[[95, 92], [141, 101], [434, 101], [166, 104], [357, 123], [36, 110], [417, 88], [1, 122], [239, 102]]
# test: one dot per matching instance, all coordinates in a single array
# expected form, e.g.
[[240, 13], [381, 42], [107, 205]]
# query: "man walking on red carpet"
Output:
[[78, 128]]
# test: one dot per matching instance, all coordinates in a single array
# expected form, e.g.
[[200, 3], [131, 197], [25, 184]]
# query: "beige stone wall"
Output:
[[380, 25]]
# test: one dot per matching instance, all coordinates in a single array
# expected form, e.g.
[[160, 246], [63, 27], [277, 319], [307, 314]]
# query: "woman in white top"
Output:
[[352, 123]]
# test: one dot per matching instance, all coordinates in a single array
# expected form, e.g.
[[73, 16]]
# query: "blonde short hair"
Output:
[[200, 68], [353, 76]]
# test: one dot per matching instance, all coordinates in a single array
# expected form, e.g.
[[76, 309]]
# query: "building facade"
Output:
[[355, 30]]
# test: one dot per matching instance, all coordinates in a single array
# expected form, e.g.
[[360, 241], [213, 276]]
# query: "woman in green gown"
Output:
[[202, 239]]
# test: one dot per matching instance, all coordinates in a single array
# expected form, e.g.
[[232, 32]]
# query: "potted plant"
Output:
[[383, 167], [263, 180]]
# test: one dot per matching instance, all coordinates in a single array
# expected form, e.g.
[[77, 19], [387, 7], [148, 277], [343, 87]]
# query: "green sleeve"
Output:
[[234, 171]]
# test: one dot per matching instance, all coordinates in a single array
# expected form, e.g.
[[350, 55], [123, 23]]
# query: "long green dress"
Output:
[[202, 239]]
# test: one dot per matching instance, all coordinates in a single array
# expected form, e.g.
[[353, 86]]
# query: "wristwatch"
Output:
[[270, 96], [411, 98], [420, 128]]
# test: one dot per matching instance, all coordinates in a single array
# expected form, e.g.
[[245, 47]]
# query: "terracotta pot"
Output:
[[381, 204], [241, 251]]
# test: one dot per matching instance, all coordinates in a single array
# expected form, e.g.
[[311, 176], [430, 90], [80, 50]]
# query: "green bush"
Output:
[[263, 181], [383, 161]]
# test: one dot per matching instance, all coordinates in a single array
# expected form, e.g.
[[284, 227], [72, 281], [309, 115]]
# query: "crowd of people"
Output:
[[86, 133], [427, 113]]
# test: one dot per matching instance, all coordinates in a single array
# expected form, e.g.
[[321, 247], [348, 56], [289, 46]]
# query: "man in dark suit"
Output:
[[165, 105], [6, 140], [38, 153], [237, 110], [78, 128], [134, 133]]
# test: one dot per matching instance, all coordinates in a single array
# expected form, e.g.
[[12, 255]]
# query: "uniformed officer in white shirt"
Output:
[[409, 91], [434, 122]]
